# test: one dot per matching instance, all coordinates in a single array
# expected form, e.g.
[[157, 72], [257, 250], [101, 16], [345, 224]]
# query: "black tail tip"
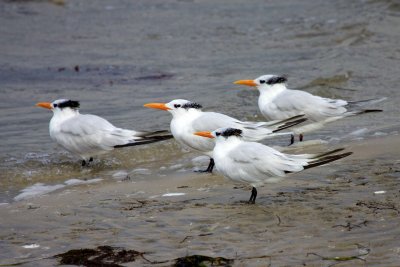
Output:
[[372, 110], [346, 154]]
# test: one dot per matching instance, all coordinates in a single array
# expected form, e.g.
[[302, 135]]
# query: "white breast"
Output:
[[267, 106], [183, 132]]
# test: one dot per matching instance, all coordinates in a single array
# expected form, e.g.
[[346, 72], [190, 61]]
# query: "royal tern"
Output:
[[277, 102], [254, 163], [88, 135], [188, 118]]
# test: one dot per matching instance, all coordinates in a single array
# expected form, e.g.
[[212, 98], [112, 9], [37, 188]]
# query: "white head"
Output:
[[176, 107], [265, 82], [222, 134], [60, 105]]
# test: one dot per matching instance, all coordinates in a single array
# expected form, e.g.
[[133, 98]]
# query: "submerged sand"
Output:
[[349, 210]]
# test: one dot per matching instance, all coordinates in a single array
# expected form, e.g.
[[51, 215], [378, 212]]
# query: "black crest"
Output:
[[232, 132], [276, 80], [69, 104], [192, 105]]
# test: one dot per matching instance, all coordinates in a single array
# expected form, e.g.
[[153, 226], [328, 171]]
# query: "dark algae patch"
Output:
[[200, 261], [105, 256]]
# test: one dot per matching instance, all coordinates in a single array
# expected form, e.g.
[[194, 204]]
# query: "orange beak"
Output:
[[204, 134], [246, 82], [44, 105], [161, 106]]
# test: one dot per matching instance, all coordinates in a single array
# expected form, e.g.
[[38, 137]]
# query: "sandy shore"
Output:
[[348, 210]]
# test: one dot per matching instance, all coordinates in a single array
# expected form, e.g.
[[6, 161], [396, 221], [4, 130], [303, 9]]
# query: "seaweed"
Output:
[[200, 261], [105, 256]]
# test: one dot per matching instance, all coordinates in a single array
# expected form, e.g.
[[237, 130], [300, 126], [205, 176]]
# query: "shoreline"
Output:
[[136, 215]]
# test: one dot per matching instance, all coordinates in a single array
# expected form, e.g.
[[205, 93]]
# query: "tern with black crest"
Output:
[[88, 135], [256, 164], [188, 118], [277, 102]]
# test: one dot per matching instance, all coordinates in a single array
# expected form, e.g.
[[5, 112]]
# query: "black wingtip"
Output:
[[157, 132], [329, 153], [146, 141], [326, 159], [370, 111], [150, 134], [289, 124], [288, 119]]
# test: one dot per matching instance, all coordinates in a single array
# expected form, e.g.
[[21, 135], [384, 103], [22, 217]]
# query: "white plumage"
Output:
[[277, 102], [88, 135], [254, 163], [188, 118]]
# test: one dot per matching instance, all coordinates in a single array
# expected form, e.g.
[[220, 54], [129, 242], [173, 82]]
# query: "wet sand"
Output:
[[307, 219]]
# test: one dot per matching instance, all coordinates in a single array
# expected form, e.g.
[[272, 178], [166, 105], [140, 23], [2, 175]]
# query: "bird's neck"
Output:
[[64, 114], [272, 91], [228, 143]]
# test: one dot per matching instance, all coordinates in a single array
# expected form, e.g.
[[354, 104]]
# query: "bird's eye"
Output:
[[177, 106], [217, 133], [262, 81], [55, 105]]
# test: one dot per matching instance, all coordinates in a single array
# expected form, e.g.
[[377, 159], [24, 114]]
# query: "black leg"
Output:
[[291, 139], [83, 163], [210, 166], [253, 196], [91, 159], [301, 137]]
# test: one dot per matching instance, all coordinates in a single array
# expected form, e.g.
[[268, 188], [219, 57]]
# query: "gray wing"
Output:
[[255, 163], [314, 107], [210, 121], [266, 159], [90, 133]]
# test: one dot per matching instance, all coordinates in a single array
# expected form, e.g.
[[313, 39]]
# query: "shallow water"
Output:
[[129, 54], [114, 56]]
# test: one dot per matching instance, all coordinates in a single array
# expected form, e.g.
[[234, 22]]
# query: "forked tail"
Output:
[[357, 107], [362, 103]]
